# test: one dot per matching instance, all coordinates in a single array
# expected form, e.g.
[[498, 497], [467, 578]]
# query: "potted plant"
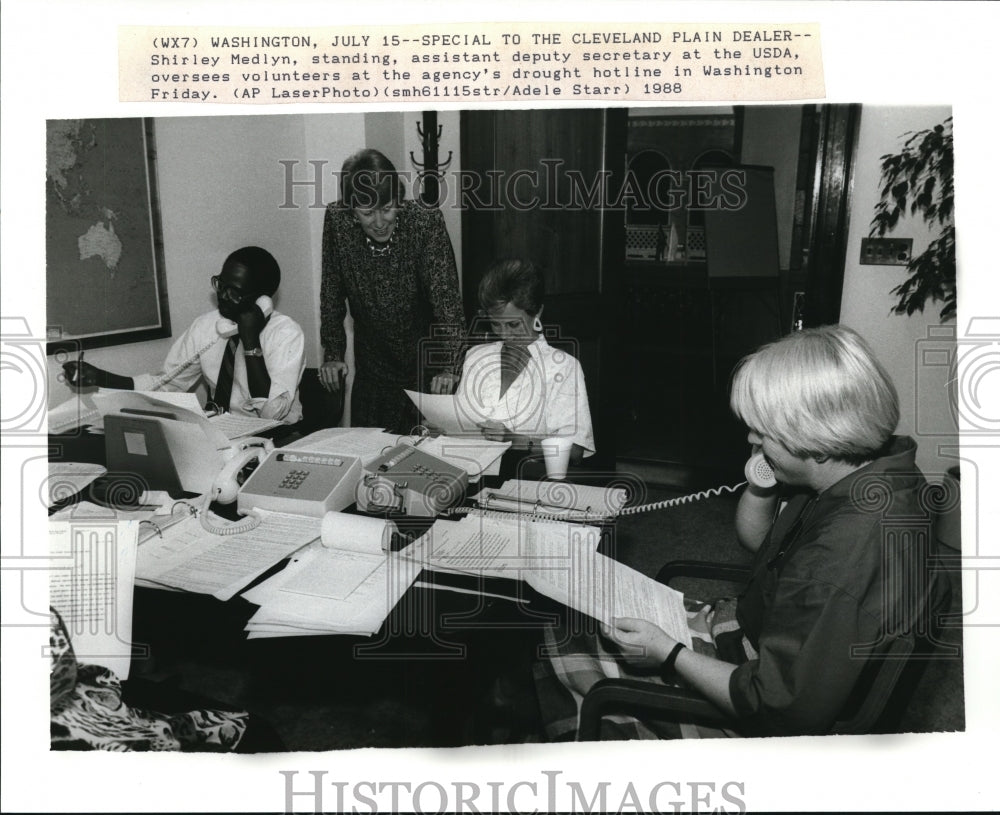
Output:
[[920, 180]]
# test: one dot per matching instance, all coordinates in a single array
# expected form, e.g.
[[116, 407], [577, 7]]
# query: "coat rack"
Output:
[[430, 170]]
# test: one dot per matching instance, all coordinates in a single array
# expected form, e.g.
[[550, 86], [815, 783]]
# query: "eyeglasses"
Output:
[[227, 292]]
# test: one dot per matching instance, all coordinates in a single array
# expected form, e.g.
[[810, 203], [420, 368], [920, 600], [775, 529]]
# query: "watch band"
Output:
[[253, 352], [667, 666]]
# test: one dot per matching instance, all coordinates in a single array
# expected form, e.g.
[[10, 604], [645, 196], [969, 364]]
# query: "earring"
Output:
[[537, 325]]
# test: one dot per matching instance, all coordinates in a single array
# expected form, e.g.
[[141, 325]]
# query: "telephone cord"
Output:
[[684, 499], [252, 521], [166, 377]]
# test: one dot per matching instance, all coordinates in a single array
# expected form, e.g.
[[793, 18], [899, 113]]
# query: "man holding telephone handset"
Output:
[[250, 356]]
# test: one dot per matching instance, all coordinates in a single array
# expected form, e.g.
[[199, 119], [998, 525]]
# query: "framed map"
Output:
[[105, 282]]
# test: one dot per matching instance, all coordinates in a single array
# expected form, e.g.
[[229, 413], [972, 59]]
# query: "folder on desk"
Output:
[[170, 447]]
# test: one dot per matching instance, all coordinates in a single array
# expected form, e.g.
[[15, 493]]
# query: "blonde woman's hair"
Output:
[[820, 392]]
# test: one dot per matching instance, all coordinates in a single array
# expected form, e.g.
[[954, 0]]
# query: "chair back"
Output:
[[888, 680], [320, 408], [876, 686]]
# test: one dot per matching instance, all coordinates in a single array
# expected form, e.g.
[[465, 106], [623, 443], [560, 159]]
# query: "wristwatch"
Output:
[[253, 352], [667, 669]]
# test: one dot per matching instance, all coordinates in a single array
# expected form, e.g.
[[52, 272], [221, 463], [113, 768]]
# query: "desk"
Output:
[[426, 678]]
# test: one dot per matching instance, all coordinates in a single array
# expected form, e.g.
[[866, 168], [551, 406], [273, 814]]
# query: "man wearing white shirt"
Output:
[[253, 372]]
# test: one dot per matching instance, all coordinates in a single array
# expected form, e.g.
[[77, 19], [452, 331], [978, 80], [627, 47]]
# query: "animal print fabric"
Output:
[[87, 712]]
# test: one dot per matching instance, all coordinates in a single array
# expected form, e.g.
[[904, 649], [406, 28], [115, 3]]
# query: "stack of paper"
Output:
[[189, 558], [346, 584]]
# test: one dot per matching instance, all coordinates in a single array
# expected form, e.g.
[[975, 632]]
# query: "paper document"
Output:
[[188, 557], [75, 412], [503, 545], [351, 569], [238, 427], [441, 413], [67, 478], [557, 559], [604, 589], [186, 400], [92, 569]]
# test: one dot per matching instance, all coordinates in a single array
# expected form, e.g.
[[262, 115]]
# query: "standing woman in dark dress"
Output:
[[392, 262]]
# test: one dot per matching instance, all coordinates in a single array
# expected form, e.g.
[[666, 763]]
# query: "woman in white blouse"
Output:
[[521, 389]]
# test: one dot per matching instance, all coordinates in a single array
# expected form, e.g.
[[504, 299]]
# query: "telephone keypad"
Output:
[[293, 479]]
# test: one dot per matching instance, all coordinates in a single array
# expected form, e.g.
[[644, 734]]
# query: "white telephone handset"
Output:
[[759, 472], [227, 484], [227, 328]]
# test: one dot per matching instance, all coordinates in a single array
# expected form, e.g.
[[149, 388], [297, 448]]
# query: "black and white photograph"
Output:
[[490, 457]]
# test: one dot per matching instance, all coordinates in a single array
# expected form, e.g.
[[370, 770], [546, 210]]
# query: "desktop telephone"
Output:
[[243, 458], [301, 482], [410, 481]]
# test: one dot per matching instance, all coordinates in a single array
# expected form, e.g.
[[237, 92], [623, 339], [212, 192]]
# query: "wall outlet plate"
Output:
[[886, 251]]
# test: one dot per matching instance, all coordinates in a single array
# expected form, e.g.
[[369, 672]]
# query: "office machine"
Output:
[[409, 481], [301, 482]]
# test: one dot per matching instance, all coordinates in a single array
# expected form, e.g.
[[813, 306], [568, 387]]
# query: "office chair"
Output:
[[876, 705], [320, 407]]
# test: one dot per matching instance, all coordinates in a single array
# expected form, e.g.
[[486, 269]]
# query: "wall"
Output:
[[396, 135], [222, 187], [899, 341]]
